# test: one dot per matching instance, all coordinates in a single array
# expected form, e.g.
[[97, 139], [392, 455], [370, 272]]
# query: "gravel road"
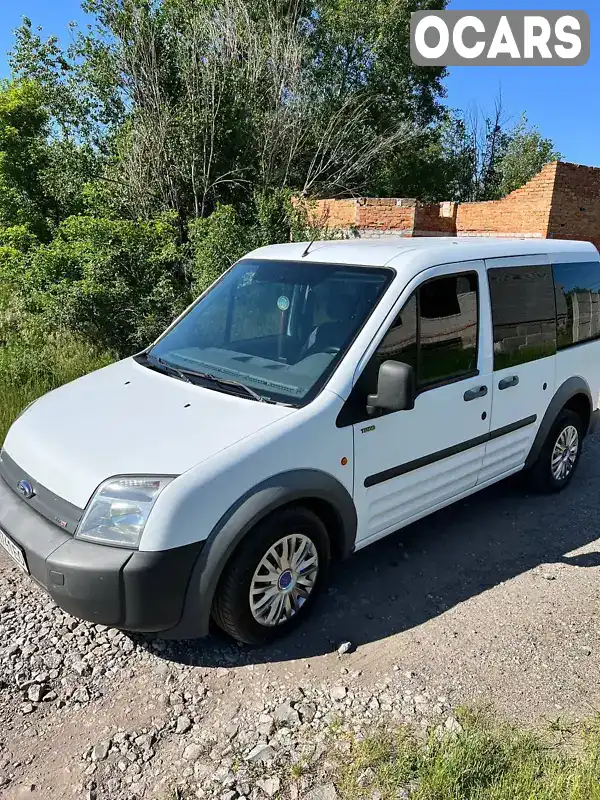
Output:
[[492, 600]]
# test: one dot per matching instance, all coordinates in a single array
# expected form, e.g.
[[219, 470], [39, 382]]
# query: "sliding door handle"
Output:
[[506, 383], [473, 394]]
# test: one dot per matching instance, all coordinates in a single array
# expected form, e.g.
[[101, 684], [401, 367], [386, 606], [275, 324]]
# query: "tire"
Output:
[[542, 477], [232, 611]]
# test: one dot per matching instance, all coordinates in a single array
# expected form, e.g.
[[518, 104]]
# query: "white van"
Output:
[[314, 399]]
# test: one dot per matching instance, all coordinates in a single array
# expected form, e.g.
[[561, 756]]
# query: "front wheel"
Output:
[[274, 577], [559, 456]]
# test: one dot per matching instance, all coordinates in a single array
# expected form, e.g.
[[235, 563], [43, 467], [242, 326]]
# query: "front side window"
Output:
[[577, 302], [435, 333], [448, 326], [279, 328], [523, 314], [400, 342]]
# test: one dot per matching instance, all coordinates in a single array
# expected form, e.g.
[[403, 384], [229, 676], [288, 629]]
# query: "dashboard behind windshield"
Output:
[[280, 327]]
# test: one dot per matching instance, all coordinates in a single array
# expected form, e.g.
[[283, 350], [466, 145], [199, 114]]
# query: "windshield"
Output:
[[279, 328]]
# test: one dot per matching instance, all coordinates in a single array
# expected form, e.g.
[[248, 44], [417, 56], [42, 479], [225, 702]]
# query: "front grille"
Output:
[[45, 502]]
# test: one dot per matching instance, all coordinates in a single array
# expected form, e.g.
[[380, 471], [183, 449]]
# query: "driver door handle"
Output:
[[506, 383], [473, 394]]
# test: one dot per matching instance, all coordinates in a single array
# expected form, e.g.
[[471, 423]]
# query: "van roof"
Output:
[[380, 251]]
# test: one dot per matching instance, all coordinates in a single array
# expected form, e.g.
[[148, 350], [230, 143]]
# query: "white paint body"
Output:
[[128, 420]]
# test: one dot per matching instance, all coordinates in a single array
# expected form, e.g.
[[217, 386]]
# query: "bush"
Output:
[[115, 283], [217, 242], [33, 362], [228, 233], [119, 283]]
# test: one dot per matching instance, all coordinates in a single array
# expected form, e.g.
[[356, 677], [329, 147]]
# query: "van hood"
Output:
[[126, 419]]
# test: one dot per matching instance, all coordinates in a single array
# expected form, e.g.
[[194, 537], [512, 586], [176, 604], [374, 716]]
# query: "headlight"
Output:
[[119, 510]]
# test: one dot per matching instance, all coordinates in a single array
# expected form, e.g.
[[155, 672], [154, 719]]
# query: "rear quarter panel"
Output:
[[582, 361]]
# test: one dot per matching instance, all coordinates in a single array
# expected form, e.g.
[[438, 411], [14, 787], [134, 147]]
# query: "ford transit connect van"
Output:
[[313, 400]]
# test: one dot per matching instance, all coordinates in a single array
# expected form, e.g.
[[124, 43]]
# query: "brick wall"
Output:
[[435, 219], [392, 215], [575, 212], [524, 212], [368, 215], [333, 213], [562, 202]]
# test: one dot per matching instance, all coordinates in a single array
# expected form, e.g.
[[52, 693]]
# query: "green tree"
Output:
[[484, 157], [363, 49], [197, 103], [527, 151], [23, 156], [58, 77], [77, 137], [42, 172]]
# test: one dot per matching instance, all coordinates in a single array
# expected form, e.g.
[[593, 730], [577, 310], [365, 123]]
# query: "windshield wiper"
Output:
[[228, 382], [238, 385], [188, 374], [179, 373]]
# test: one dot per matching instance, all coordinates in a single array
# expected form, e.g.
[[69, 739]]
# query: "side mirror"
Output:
[[396, 388]]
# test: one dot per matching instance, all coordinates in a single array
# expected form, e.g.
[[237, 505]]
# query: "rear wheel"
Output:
[[559, 456], [273, 579]]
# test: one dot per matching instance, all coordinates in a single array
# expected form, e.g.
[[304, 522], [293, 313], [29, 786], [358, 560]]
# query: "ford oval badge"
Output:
[[25, 489]]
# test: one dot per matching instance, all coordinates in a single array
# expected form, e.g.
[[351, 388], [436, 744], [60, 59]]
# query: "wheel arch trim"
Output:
[[569, 389], [256, 504]]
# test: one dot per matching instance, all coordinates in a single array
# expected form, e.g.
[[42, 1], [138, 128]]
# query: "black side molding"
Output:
[[410, 466]]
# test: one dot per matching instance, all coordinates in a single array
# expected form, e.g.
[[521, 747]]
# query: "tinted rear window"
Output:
[[523, 314], [577, 302]]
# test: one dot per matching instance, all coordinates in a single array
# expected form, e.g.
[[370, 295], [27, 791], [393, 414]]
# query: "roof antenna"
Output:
[[305, 253]]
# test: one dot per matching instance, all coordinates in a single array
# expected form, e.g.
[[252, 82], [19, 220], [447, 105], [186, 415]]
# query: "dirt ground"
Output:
[[494, 599]]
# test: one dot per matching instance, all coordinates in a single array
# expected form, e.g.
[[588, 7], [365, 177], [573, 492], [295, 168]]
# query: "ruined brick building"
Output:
[[561, 202]]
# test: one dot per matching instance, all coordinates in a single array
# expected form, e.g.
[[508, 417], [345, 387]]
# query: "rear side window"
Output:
[[523, 314], [577, 302]]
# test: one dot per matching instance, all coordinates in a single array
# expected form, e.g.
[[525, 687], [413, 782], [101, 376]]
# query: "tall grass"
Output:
[[33, 366], [484, 761]]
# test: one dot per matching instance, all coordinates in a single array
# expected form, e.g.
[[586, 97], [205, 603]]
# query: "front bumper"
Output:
[[128, 589]]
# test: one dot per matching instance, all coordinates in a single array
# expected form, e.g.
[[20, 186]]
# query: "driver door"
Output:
[[408, 463]]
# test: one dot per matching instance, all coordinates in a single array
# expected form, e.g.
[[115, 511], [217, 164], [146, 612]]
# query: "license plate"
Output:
[[14, 551]]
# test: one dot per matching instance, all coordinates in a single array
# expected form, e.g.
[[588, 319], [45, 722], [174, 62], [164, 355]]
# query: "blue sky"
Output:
[[561, 101]]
